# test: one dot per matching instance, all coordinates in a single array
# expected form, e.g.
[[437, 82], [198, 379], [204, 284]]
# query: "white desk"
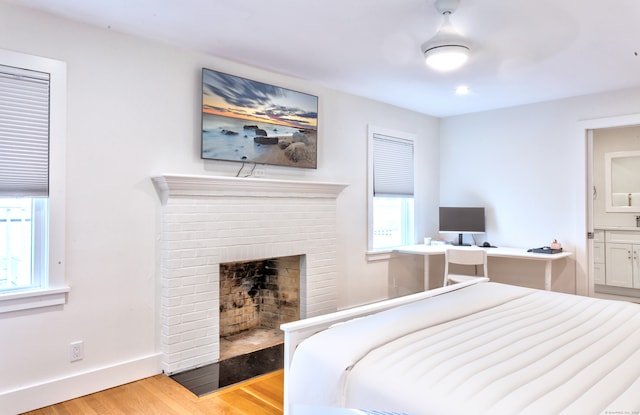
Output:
[[515, 253]]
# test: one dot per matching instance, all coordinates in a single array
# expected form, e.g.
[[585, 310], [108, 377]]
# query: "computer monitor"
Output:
[[462, 220]]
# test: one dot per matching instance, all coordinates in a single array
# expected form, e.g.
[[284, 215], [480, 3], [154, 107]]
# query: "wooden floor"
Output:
[[160, 395]]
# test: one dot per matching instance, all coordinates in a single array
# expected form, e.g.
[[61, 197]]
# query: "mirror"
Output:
[[622, 181]]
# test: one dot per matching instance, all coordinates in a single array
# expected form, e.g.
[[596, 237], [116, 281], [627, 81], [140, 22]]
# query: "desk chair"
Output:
[[464, 256]]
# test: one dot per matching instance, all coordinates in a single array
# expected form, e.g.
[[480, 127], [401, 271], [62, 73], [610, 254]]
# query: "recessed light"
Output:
[[462, 90]]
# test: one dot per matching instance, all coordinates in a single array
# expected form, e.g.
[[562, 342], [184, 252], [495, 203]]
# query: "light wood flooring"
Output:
[[160, 395]]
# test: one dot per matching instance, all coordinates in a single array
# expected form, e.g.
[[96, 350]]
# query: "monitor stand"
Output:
[[460, 241]]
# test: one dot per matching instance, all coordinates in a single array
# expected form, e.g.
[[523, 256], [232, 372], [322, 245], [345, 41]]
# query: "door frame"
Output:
[[584, 254]]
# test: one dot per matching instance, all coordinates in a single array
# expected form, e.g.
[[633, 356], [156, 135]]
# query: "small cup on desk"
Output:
[[427, 241]]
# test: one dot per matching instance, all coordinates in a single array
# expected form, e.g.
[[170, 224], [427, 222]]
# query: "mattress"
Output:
[[485, 349]]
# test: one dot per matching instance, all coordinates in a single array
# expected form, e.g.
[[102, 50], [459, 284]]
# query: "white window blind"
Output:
[[24, 132], [392, 166]]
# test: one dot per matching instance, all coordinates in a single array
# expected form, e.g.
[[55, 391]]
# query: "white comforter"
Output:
[[485, 349]]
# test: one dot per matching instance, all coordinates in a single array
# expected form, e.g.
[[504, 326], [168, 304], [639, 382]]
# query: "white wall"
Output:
[[527, 165], [133, 112]]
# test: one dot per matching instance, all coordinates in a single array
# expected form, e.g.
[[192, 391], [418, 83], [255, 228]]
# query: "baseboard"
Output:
[[619, 293], [62, 389]]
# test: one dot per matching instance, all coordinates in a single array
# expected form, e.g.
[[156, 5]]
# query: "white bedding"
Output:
[[488, 348]]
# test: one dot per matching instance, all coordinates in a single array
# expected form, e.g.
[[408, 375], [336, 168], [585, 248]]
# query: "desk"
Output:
[[516, 253]]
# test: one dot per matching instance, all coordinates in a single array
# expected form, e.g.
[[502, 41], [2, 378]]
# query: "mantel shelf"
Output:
[[172, 185]]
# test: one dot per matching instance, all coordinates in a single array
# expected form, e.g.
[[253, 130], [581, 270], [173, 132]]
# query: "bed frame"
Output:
[[295, 332]]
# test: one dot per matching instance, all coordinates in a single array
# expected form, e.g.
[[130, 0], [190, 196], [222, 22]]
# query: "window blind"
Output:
[[24, 132], [392, 166]]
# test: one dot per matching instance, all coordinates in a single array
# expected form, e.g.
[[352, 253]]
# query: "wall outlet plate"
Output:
[[76, 351]]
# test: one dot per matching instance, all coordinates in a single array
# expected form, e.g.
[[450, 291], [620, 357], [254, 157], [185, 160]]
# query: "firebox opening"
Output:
[[255, 298]]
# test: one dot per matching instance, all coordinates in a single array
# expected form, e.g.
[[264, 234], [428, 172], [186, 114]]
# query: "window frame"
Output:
[[53, 290], [372, 130]]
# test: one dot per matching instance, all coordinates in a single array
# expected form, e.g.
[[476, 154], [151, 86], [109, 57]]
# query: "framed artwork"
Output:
[[253, 122]]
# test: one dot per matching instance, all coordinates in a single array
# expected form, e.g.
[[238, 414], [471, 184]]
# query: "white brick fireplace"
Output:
[[209, 220]]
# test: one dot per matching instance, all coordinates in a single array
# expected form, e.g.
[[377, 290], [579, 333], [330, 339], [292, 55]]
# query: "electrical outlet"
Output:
[[76, 351]]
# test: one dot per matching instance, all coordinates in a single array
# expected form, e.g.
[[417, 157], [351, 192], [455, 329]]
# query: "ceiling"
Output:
[[523, 51]]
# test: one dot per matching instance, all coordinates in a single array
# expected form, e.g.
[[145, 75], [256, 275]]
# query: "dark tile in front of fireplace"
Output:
[[210, 378]]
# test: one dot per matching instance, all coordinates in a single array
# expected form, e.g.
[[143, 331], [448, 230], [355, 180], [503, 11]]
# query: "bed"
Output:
[[473, 348]]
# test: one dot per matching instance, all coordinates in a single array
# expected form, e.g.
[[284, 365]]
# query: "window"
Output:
[[32, 132], [390, 189], [23, 224]]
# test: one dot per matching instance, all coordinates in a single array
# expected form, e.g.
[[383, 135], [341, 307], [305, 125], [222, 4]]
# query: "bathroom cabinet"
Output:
[[622, 257], [599, 264]]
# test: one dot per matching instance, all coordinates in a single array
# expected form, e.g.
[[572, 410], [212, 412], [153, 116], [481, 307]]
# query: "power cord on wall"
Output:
[[242, 167]]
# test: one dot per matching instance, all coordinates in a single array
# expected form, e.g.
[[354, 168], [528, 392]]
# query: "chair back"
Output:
[[465, 256]]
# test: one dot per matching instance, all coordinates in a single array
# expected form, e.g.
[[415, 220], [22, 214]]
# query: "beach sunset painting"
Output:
[[254, 122]]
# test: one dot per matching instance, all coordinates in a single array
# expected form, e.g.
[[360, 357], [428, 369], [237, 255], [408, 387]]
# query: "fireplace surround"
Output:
[[210, 220]]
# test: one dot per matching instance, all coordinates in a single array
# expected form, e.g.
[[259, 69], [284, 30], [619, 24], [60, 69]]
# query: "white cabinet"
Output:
[[620, 265], [599, 268], [622, 259]]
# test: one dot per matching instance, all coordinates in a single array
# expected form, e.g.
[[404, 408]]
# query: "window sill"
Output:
[[27, 300], [381, 255]]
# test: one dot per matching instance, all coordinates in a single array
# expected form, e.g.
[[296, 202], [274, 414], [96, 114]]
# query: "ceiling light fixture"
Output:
[[462, 90], [448, 49]]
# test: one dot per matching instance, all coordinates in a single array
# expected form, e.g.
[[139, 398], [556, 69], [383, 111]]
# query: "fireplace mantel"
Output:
[[171, 185]]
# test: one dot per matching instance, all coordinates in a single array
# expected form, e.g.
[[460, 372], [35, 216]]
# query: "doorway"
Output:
[[603, 136]]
